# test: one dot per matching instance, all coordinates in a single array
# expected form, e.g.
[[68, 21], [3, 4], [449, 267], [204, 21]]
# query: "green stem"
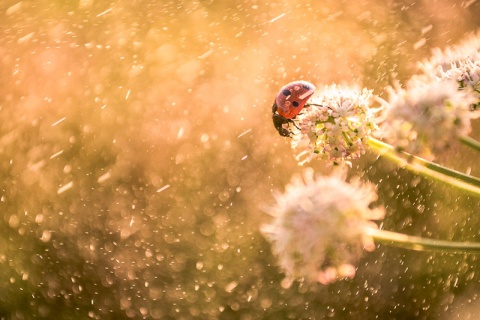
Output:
[[421, 244], [472, 143], [427, 168], [347, 138]]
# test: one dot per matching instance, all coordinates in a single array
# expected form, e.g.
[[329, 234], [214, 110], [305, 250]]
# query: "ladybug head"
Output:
[[278, 122]]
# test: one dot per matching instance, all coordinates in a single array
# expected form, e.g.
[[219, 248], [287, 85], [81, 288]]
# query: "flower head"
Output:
[[319, 226], [460, 63], [336, 125], [427, 116]]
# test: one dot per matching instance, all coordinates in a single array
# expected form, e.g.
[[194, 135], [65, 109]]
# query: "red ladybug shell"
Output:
[[292, 98]]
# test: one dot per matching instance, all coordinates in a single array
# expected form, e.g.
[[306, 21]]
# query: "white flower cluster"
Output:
[[319, 226], [322, 224], [426, 117], [460, 63], [336, 126]]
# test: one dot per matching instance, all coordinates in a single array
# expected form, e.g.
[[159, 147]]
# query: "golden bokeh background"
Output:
[[137, 150]]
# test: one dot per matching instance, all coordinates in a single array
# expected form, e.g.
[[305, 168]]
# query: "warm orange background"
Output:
[[137, 148]]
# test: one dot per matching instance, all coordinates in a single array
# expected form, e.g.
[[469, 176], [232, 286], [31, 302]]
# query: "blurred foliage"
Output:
[[136, 151]]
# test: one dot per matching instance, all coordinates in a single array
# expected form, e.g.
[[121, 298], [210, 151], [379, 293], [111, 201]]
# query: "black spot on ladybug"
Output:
[[306, 87], [286, 92], [295, 103]]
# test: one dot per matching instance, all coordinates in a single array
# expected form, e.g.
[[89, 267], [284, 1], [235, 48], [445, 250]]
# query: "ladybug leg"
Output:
[[294, 124], [312, 104]]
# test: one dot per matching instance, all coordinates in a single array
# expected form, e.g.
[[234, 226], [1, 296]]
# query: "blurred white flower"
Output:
[[318, 231], [427, 116], [460, 63], [336, 126]]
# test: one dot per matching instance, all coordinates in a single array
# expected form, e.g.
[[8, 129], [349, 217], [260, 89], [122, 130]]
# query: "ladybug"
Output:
[[289, 102]]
